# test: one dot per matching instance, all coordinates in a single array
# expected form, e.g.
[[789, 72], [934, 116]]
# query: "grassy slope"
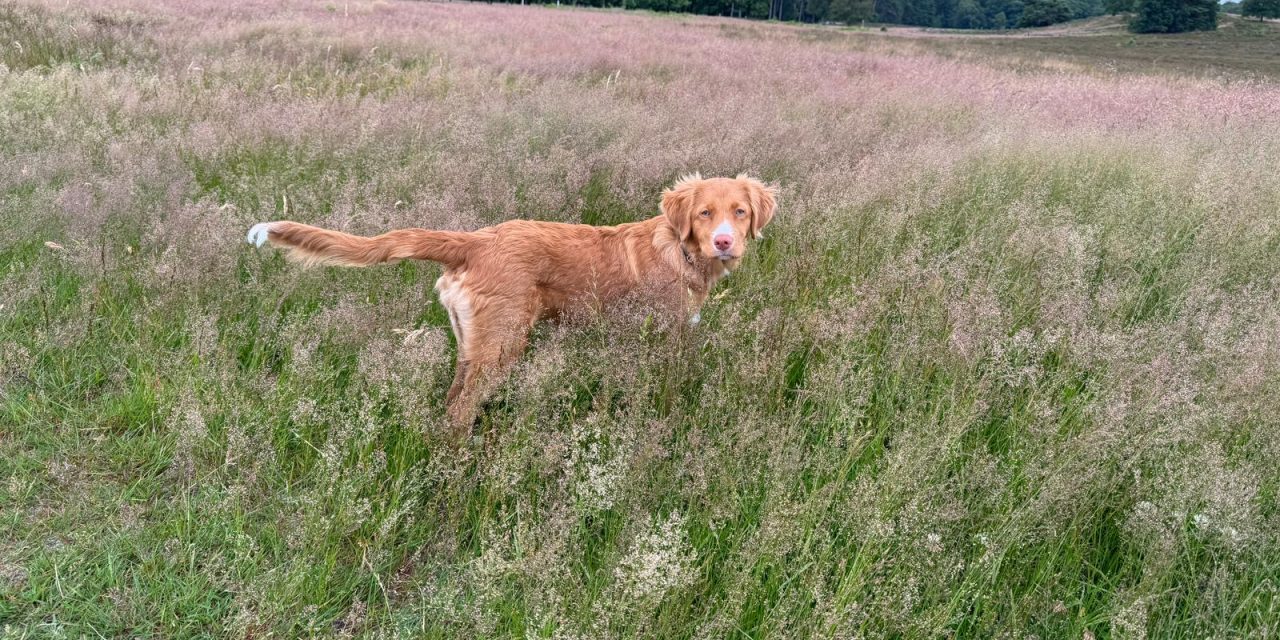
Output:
[[1027, 393]]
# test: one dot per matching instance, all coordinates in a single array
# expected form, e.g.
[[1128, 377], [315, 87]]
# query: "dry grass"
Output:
[[1005, 366], [1238, 50]]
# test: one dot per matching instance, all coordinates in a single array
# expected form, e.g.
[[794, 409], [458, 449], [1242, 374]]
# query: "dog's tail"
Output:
[[314, 246]]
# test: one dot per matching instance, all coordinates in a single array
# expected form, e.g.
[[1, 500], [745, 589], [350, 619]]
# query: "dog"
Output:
[[498, 281]]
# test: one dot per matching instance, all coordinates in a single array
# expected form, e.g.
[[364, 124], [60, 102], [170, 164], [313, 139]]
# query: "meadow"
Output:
[[1238, 49], [1004, 366]]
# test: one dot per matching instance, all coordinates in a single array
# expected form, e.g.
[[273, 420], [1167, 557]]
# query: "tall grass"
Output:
[[1005, 366]]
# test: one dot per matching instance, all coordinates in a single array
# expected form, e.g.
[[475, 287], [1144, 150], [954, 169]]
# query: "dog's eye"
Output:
[[705, 213], [741, 212]]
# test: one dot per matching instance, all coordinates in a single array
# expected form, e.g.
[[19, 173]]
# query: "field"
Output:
[[1005, 365], [1239, 49]]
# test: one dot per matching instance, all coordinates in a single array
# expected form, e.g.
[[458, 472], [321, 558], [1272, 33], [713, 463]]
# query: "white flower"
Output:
[[661, 560], [1201, 521]]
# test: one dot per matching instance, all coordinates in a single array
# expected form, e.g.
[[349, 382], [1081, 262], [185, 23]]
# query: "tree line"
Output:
[[951, 14], [1254, 8], [1149, 16]]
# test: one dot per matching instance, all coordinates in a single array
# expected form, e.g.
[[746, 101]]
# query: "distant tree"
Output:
[[968, 15], [1174, 16], [1014, 12], [756, 8], [922, 13], [889, 11], [1041, 13], [662, 5], [1261, 8], [1085, 8], [851, 11], [1116, 7], [958, 14], [816, 11], [945, 13]]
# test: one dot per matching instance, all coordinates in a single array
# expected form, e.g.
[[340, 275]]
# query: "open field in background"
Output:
[[1005, 366], [1240, 49]]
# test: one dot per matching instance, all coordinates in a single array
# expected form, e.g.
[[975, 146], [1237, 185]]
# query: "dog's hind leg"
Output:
[[460, 372], [457, 302], [496, 340], [459, 376]]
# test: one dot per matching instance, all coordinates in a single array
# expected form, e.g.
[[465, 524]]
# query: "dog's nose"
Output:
[[723, 242]]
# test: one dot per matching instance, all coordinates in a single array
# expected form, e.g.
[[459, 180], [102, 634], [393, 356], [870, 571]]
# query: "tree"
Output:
[[1013, 12], [1041, 13], [1116, 7], [969, 15], [889, 11], [961, 14], [922, 13], [851, 11], [1261, 8], [1085, 8], [816, 11], [1174, 16]]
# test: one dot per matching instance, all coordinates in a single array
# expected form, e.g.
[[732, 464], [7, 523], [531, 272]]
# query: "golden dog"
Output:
[[499, 280]]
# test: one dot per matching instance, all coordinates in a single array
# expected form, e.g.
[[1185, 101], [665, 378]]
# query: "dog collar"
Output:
[[685, 252]]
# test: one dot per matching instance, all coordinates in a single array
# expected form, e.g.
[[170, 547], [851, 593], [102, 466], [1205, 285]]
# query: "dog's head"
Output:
[[714, 217]]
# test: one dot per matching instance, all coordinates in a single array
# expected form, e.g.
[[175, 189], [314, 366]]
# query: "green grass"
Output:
[[981, 379], [36, 40]]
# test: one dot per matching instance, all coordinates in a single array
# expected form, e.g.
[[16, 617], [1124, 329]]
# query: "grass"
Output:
[[1238, 49], [36, 40], [1004, 365]]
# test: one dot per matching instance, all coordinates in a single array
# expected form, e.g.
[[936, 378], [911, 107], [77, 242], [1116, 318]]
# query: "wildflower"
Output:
[[659, 561]]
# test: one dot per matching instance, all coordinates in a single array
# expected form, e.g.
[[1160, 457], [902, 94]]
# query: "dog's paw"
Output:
[[695, 319], [258, 233]]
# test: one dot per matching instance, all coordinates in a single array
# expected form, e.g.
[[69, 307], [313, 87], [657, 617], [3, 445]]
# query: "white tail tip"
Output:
[[258, 233]]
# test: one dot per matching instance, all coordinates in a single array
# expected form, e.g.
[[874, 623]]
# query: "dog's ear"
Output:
[[764, 201], [677, 204]]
